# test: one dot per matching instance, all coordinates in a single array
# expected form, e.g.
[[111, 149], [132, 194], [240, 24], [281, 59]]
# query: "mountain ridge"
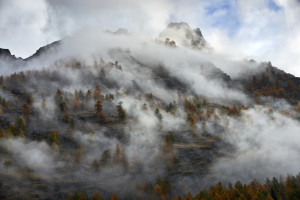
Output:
[[143, 120], [191, 38]]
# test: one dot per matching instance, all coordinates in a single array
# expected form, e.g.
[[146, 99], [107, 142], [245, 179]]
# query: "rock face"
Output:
[[7, 60], [44, 50], [184, 35], [5, 54], [10, 63]]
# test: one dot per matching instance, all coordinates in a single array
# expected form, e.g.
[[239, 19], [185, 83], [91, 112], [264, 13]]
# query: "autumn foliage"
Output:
[[272, 189], [97, 93], [270, 91], [234, 110], [53, 138], [98, 109]]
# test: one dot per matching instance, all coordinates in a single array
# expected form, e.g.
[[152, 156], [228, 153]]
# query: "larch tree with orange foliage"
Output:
[[53, 138], [26, 109], [76, 103], [114, 197], [97, 93], [2, 134], [98, 109], [191, 120], [97, 196]]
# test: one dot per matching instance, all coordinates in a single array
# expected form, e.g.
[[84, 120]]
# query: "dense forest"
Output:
[[284, 188]]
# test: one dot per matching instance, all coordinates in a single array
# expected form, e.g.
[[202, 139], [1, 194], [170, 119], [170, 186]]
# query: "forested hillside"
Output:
[[136, 118]]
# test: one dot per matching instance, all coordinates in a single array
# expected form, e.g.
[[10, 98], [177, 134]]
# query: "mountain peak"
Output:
[[5, 52], [184, 35]]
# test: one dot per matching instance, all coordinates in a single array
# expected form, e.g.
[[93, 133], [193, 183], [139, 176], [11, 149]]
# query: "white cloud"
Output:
[[236, 28], [264, 34], [21, 24], [260, 144]]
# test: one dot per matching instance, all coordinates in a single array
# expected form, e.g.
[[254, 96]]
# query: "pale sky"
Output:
[[266, 30]]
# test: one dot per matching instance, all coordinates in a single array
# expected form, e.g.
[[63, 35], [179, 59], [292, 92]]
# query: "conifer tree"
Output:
[[97, 93], [121, 111], [98, 109], [157, 114], [105, 158], [97, 196], [20, 126], [26, 109]]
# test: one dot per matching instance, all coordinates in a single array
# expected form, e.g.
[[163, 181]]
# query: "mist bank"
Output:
[[119, 113]]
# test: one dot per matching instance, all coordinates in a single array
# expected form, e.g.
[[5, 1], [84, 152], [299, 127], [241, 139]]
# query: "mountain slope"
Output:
[[115, 113]]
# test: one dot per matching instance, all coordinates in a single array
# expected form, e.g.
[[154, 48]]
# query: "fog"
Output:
[[266, 143], [148, 72], [193, 68]]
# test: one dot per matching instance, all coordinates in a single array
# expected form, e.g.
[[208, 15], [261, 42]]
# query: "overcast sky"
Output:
[[260, 29]]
